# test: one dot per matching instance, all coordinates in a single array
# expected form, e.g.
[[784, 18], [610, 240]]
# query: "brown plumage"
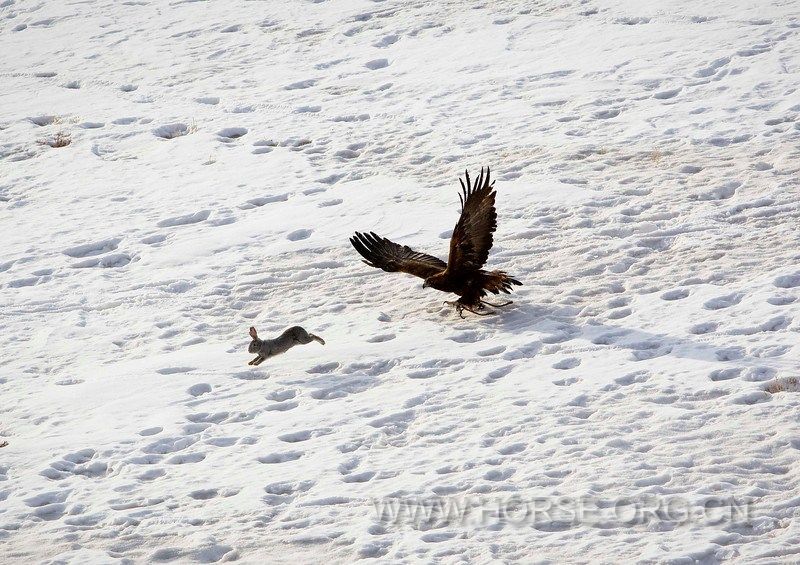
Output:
[[469, 249]]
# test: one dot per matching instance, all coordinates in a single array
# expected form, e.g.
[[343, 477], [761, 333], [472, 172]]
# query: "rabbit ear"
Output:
[[253, 333]]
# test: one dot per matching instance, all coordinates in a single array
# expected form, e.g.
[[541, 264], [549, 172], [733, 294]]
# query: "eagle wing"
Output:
[[472, 236], [381, 253]]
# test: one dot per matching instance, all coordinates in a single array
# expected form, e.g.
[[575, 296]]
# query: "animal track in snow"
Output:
[[340, 390], [376, 64], [497, 350], [95, 248], [228, 135], [722, 192], [112, 260], [667, 94], [186, 219], [361, 477], [298, 235], [281, 395], [677, 294], [281, 406], [568, 363], [393, 424], [43, 121], [423, 373], [703, 328], [199, 389], [712, 68], [781, 300], [772, 325], [171, 131], [648, 350], [729, 353], [48, 505], [632, 20], [724, 301], [788, 281], [175, 370], [498, 373], [168, 445], [303, 84], [263, 200], [283, 457], [82, 463], [280, 493], [725, 374], [323, 368], [295, 437]]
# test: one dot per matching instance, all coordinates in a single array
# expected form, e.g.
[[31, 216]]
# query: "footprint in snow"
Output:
[[676, 294], [788, 281], [296, 437], [703, 328], [174, 370], [667, 94], [82, 462], [282, 406], [199, 389], [94, 248], [298, 235], [729, 353], [362, 477], [568, 363], [184, 220], [171, 131], [725, 374], [498, 373], [376, 64], [112, 260], [781, 300], [303, 84], [281, 395], [228, 135], [724, 301], [275, 458], [263, 200]]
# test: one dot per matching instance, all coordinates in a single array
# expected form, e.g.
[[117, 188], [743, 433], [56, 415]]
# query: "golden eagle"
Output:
[[469, 249]]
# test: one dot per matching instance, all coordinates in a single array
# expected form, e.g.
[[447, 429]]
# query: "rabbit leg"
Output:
[[257, 360], [317, 338]]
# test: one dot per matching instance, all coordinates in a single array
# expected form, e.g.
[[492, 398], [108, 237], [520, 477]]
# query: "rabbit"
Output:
[[266, 348]]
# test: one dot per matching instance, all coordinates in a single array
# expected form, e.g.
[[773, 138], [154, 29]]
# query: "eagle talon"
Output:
[[478, 313], [460, 307], [493, 305]]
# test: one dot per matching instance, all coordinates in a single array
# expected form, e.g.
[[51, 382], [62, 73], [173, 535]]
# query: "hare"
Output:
[[266, 348]]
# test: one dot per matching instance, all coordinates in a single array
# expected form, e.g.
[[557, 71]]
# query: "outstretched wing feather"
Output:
[[472, 237], [381, 253]]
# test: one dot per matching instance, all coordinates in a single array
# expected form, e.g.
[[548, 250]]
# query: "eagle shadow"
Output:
[[560, 324]]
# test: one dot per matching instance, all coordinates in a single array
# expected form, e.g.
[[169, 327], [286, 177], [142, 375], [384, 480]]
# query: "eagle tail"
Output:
[[499, 281]]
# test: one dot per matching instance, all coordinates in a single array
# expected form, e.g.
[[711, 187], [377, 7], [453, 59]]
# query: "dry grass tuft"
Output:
[[788, 384], [60, 139]]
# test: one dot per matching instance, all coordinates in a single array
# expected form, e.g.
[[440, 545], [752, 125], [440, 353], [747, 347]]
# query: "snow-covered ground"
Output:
[[219, 156]]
